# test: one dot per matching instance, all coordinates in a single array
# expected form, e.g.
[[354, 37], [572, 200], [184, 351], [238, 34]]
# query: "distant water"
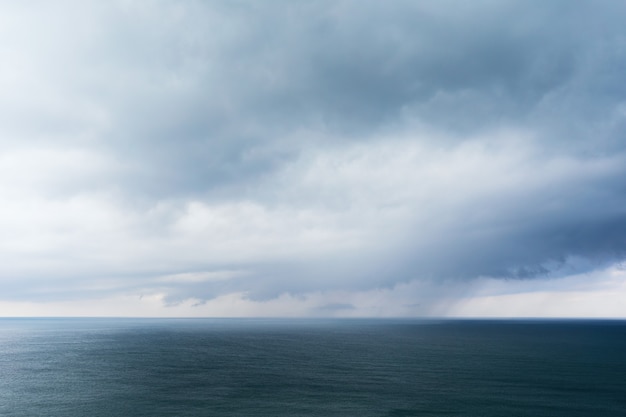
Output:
[[105, 367]]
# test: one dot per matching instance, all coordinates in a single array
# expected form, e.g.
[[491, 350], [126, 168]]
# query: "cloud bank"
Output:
[[192, 151]]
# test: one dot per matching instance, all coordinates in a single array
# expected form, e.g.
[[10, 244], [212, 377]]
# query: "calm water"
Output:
[[102, 367]]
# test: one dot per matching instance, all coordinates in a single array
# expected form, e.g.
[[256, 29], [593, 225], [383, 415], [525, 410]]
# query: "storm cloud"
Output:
[[197, 150]]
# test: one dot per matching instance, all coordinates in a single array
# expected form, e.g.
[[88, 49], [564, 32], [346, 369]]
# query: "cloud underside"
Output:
[[196, 150]]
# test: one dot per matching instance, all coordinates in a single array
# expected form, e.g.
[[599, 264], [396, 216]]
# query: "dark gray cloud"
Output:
[[220, 101]]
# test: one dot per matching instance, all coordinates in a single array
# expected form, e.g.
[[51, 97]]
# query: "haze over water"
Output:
[[263, 367]]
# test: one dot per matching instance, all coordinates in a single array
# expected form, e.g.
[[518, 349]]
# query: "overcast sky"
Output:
[[319, 158]]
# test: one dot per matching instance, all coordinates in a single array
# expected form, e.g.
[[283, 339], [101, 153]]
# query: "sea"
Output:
[[309, 367]]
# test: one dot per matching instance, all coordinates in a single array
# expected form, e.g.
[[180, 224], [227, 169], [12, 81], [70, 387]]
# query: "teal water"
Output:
[[128, 367]]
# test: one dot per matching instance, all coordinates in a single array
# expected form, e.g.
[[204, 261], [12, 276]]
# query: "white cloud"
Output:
[[319, 159]]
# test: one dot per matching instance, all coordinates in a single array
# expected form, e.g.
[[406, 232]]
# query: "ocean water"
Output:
[[232, 367]]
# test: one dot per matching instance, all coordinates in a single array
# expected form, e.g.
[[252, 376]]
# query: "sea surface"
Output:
[[259, 367]]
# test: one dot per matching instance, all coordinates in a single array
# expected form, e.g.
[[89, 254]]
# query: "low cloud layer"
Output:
[[195, 151]]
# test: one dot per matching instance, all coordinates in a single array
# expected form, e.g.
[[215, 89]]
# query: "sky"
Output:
[[345, 158]]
